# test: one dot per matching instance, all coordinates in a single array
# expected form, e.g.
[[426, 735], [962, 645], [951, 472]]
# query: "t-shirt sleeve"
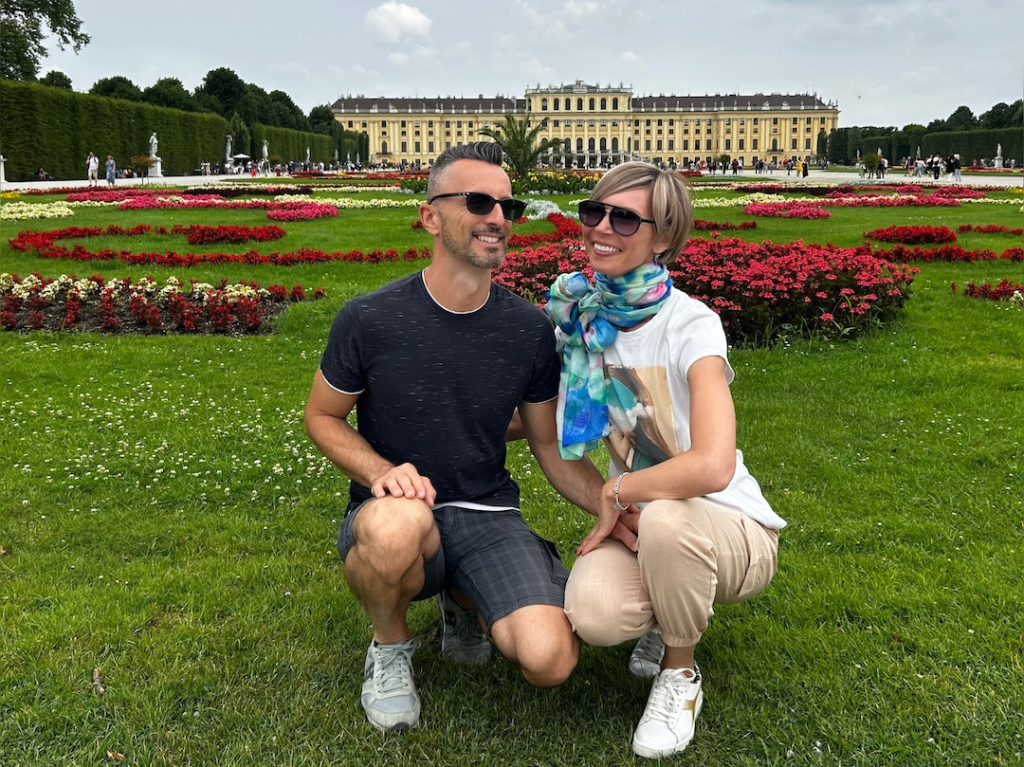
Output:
[[705, 338], [342, 363], [543, 384]]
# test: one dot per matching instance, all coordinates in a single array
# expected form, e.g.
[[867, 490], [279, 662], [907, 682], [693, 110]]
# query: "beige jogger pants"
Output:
[[692, 555]]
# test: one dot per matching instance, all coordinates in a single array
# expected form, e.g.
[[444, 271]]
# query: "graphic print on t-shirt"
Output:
[[640, 410]]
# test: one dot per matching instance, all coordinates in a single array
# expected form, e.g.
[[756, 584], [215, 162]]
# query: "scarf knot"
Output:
[[587, 320]]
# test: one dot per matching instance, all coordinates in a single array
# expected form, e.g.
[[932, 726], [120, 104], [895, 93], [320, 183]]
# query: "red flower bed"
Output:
[[565, 227], [721, 226], [308, 212], [1003, 291], [950, 253], [990, 229], [44, 245], [211, 235], [761, 291], [805, 210], [912, 235], [96, 305]]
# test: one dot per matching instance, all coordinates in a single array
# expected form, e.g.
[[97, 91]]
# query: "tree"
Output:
[[321, 118], [286, 113], [822, 148], [22, 25], [518, 141], [116, 87], [56, 79], [221, 91], [169, 92], [998, 116], [961, 119]]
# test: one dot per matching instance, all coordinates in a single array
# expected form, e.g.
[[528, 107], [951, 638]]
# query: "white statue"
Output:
[[999, 150], [307, 154], [266, 150], [227, 150], [153, 146]]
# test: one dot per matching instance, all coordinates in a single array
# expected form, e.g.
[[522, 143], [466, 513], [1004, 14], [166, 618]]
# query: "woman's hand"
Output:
[[611, 523]]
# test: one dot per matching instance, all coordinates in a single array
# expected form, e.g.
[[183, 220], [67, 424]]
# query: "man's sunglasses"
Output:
[[480, 204], [624, 222]]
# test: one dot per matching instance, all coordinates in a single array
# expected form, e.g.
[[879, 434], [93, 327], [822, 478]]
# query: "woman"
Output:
[[111, 170], [682, 525]]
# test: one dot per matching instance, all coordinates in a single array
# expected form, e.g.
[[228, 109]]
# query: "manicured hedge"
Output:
[[286, 144], [56, 129], [970, 145]]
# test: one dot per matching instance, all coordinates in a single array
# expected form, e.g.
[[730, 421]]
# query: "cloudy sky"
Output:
[[886, 62]]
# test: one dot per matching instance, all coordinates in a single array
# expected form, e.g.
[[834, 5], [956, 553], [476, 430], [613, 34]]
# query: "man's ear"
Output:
[[429, 219]]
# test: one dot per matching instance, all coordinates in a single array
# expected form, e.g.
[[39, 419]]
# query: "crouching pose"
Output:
[[682, 525], [435, 365]]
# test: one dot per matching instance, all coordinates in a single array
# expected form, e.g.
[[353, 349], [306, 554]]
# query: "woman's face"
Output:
[[613, 254]]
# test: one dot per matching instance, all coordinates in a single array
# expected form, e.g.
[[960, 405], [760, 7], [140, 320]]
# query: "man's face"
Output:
[[479, 241]]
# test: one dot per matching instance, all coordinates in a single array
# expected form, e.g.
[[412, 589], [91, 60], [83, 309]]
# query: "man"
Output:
[[436, 365]]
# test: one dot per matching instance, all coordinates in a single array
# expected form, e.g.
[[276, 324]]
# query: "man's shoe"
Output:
[[462, 639], [668, 722], [389, 691], [645, 660]]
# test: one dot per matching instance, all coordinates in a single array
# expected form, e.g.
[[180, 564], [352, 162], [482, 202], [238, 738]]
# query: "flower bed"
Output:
[[912, 235], [804, 210], [309, 212], [45, 245], [23, 211], [721, 226], [951, 253], [121, 306], [212, 235], [1005, 290], [989, 229], [761, 291]]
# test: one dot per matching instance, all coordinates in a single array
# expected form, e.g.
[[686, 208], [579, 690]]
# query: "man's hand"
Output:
[[626, 528], [404, 481]]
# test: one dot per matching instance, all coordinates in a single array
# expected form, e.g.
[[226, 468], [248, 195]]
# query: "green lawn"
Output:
[[167, 522]]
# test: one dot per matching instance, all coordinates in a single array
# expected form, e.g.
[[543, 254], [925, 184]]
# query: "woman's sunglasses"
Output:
[[480, 204], [624, 222]]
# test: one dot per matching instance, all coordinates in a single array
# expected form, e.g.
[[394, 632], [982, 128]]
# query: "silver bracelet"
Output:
[[618, 484]]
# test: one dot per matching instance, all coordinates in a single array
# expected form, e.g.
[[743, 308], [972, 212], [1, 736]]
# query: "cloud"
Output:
[[395, 22], [628, 57], [582, 10]]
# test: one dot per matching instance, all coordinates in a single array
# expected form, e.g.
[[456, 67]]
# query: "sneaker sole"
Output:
[[390, 724]]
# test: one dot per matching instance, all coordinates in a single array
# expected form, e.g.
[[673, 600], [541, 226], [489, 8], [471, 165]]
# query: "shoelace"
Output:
[[667, 690], [392, 671]]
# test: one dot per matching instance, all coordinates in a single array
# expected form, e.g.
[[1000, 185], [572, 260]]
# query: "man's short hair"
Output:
[[482, 151], [670, 201]]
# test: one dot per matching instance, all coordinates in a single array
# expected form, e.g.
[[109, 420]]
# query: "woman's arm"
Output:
[[707, 467]]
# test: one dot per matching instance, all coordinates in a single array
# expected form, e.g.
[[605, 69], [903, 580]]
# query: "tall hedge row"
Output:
[[287, 144], [55, 129], [977, 144], [970, 145]]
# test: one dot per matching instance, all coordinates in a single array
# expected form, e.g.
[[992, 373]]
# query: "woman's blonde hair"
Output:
[[671, 208]]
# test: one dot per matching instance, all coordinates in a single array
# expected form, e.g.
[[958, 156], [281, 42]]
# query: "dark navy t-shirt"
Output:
[[438, 389]]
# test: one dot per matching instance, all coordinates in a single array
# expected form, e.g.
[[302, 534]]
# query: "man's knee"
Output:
[[392, 532], [540, 639]]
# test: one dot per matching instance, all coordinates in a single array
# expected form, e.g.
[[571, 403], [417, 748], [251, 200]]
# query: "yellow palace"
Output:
[[599, 125]]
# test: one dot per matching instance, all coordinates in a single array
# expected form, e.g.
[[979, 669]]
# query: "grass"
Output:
[[168, 523]]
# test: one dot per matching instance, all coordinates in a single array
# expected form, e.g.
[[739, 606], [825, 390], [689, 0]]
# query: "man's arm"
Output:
[[326, 424], [578, 481]]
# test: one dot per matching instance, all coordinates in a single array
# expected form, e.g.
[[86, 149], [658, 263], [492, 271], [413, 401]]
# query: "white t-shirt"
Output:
[[649, 397]]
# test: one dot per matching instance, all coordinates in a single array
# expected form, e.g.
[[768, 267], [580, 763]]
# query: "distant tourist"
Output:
[[111, 170], [92, 167]]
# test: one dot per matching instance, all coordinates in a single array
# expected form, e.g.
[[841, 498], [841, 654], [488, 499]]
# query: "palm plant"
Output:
[[519, 142]]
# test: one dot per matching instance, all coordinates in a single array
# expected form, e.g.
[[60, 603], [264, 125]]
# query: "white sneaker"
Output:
[[645, 660], [668, 722], [389, 691]]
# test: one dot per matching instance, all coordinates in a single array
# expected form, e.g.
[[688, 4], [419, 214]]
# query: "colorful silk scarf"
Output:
[[587, 319]]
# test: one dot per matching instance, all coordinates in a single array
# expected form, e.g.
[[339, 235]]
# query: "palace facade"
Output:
[[599, 125]]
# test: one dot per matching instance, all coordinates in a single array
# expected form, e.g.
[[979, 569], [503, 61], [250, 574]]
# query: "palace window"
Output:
[[579, 105], [543, 105], [604, 105], [591, 104], [615, 106]]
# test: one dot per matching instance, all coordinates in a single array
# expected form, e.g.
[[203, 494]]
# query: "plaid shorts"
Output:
[[492, 557]]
